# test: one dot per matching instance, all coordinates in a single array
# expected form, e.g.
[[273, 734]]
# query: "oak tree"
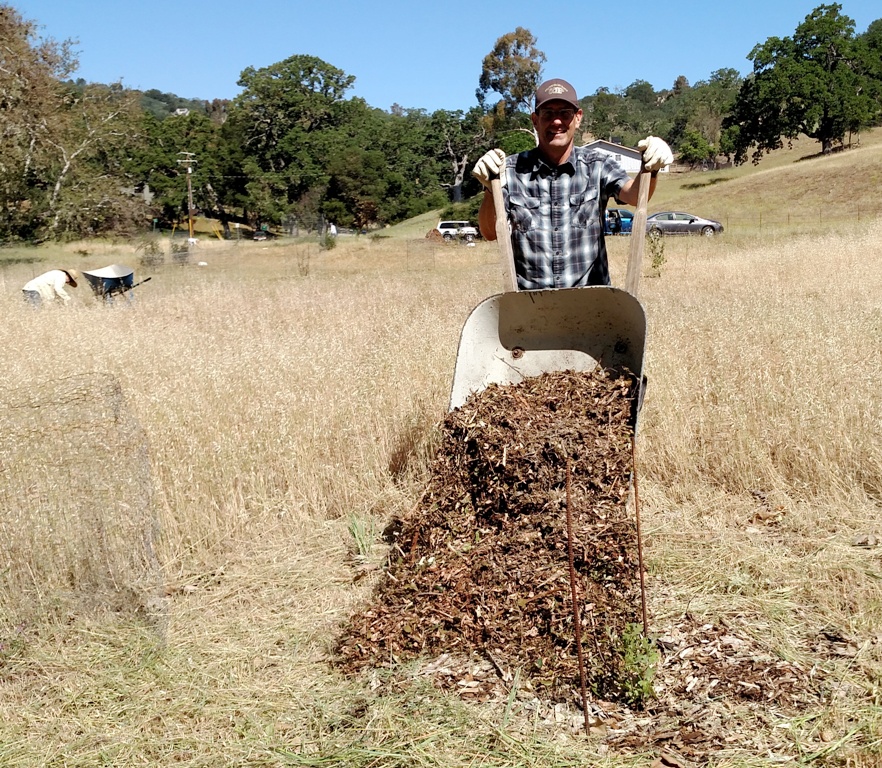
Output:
[[63, 144], [814, 83]]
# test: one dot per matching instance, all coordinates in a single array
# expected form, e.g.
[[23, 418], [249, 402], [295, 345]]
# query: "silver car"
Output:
[[679, 223]]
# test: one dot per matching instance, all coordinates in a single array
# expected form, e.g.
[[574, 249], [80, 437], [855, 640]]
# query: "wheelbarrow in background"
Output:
[[114, 280]]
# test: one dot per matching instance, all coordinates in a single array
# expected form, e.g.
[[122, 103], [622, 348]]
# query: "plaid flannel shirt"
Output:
[[556, 217]]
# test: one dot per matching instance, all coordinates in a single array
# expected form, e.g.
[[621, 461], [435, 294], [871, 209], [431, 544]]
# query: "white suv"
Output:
[[451, 230]]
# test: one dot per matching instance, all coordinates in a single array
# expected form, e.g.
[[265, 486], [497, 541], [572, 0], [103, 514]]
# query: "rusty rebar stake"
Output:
[[577, 622], [639, 535]]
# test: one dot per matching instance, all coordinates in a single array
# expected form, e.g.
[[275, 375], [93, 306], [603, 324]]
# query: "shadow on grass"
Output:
[[832, 151], [10, 261], [708, 183]]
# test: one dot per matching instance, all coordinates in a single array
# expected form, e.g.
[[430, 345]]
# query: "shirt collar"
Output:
[[546, 168]]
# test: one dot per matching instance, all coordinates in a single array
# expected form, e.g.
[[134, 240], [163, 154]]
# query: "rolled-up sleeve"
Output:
[[60, 282]]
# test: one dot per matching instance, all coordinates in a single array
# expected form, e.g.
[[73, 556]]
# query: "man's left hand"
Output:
[[656, 153]]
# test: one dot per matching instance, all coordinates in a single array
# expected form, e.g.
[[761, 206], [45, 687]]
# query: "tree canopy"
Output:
[[818, 83], [63, 145], [295, 150], [513, 69]]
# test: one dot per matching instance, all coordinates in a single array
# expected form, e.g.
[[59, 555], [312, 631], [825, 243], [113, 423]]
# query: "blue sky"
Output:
[[416, 54]]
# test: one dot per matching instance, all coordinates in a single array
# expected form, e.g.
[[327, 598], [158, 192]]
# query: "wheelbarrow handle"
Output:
[[503, 238], [145, 280], [638, 234]]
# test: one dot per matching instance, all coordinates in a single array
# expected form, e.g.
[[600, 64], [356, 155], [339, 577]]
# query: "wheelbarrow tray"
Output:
[[515, 335], [116, 278]]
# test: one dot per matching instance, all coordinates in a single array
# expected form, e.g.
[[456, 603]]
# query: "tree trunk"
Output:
[[459, 166]]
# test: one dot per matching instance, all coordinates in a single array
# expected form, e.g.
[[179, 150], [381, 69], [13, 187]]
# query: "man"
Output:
[[556, 194], [49, 286]]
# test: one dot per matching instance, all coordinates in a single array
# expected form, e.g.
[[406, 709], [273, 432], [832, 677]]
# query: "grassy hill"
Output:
[[793, 186], [418, 226]]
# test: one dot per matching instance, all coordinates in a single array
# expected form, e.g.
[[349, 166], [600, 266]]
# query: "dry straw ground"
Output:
[[284, 400]]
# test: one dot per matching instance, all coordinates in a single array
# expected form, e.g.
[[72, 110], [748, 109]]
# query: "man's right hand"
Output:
[[489, 166], [656, 153]]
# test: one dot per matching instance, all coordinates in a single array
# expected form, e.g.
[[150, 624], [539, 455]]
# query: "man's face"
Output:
[[556, 123]]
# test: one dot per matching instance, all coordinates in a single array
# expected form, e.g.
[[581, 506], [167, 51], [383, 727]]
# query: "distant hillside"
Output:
[[794, 186], [161, 105]]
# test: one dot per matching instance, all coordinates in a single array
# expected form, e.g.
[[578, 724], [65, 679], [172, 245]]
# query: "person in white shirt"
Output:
[[49, 287]]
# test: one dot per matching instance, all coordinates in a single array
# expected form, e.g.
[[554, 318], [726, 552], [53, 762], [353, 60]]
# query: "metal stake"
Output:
[[577, 623], [639, 534]]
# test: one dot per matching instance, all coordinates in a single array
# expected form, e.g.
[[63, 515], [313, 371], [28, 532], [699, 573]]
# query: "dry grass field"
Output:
[[194, 483]]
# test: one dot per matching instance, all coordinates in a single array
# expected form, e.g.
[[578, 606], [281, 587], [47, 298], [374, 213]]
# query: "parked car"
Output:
[[679, 223], [618, 221], [451, 230]]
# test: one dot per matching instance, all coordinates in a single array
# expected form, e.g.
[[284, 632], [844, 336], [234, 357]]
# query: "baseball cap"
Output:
[[556, 89]]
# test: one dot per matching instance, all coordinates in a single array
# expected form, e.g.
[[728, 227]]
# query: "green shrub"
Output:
[[467, 210], [150, 251], [624, 668], [639, 660], [657, 254]]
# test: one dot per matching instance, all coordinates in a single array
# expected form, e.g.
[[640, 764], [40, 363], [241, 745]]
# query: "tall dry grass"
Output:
[[288, 400], [760, 435]]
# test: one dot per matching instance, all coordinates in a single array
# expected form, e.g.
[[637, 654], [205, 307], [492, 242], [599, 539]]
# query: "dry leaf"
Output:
[[670, 759]]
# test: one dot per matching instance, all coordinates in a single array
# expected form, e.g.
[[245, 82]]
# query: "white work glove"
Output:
[[489, 166], [656, 153]]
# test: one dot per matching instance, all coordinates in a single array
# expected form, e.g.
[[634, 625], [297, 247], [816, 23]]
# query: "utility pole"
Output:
[[189, 162]]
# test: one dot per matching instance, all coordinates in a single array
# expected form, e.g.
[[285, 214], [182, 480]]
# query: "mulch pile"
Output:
[[477, 586], [481, 564]]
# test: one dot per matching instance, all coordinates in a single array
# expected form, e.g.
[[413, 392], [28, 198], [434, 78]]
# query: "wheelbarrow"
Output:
[[113, 280], [515, 335], [518, 334]]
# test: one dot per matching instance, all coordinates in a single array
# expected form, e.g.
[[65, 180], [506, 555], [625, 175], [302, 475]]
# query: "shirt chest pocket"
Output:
[[524, 212], [584, 206]]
